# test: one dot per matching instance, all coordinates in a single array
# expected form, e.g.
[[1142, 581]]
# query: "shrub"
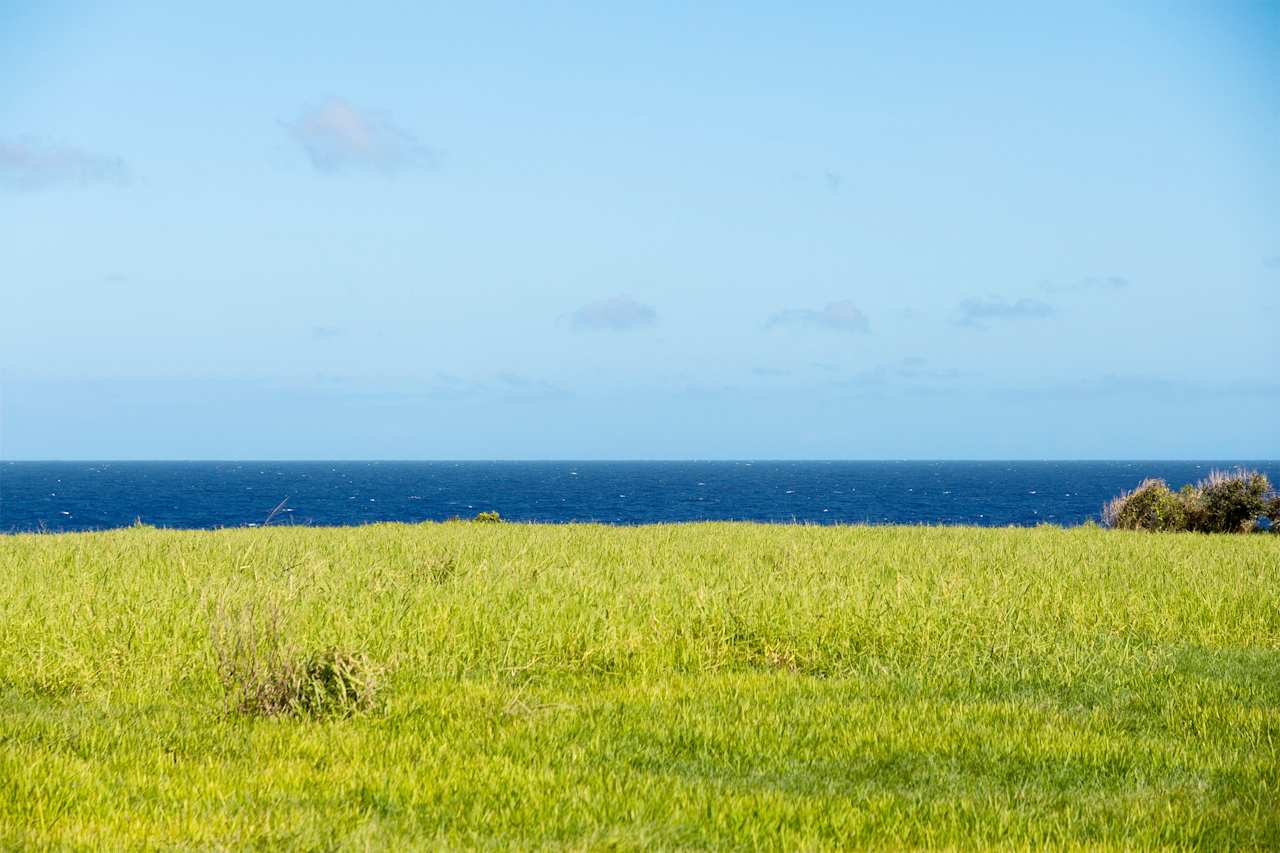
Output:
[[1151, 506], [264, 675], [490, 517], [1229, 502], [1223, 502]]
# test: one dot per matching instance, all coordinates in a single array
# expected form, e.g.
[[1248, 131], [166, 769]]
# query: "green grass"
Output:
[[711, 685]]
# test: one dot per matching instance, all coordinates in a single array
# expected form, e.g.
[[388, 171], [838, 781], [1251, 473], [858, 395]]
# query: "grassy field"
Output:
[[712, 685]]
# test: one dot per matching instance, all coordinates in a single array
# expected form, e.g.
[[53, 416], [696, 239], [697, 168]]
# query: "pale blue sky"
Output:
[[568, 231]]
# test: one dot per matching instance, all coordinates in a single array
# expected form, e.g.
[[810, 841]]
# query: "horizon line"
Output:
[[629, 460]]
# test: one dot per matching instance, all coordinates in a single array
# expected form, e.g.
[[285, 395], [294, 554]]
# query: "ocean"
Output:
[[67, 496]]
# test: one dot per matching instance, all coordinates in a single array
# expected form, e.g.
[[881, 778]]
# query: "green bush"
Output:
[[1224, 502], [490, 517], [1229, 502], [1151, 506]]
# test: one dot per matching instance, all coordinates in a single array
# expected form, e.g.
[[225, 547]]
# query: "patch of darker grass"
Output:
[[263, 674]]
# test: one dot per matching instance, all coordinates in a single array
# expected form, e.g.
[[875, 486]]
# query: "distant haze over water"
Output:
[[95, 495]]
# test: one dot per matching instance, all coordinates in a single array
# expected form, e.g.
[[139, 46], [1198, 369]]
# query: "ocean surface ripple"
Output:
[[65, 496]]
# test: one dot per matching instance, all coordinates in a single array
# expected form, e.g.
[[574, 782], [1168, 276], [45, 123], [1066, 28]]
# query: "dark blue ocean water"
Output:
[[94, 495]]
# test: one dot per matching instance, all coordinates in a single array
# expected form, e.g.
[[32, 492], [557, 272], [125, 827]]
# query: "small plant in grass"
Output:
[[263, 674], [336, 682], [489, 517]]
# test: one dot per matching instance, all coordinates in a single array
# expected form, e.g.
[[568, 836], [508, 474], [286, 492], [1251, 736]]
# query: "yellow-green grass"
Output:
[[692, 686]]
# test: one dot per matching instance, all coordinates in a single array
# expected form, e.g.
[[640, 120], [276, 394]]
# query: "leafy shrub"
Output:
[[1223, 502], [1229, 502], [264, 675], [1151, 506], [490, 517]]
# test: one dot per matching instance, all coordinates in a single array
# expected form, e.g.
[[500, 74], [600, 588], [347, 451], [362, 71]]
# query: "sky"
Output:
[[669, 231]]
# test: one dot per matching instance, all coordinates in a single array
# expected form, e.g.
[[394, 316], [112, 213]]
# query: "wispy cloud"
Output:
[[339, 136], [976, 312], [616, 314], [33, 165], [504, 385], [840, 316], [517, 385], [1128, 387], [908, 372], [916, 367], [1103, 283]]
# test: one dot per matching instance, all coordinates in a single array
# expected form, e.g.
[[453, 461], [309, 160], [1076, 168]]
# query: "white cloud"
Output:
[[840, 316], [338, 136], [33, 165], [974, 312], [1095, 283], [616, 314]]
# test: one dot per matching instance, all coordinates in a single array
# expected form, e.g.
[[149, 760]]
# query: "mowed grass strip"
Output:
[[687, 686]]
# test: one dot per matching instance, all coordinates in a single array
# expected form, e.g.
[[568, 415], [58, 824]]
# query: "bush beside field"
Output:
[[1237, 501], [711, 685]]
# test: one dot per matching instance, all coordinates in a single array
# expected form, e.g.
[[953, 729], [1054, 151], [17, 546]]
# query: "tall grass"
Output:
[[714, 685], [264, 673]]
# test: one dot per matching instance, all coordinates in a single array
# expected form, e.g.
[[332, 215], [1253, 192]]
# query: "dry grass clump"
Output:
[[1224, 502], [265, 675]]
